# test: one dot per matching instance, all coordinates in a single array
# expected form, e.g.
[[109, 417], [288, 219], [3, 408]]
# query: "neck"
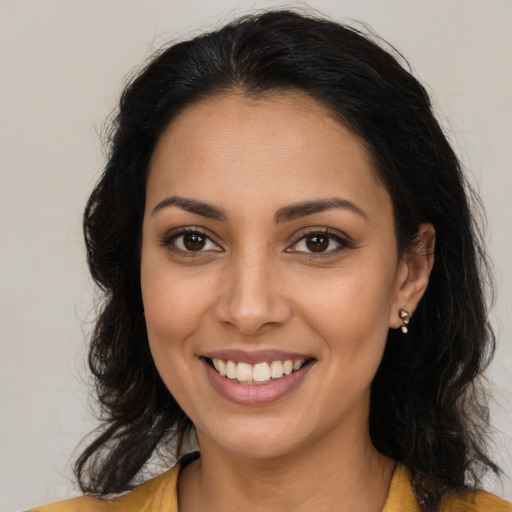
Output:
[[331, 475]]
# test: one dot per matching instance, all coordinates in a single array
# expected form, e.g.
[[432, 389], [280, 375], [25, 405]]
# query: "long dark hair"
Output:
[[426, 409]]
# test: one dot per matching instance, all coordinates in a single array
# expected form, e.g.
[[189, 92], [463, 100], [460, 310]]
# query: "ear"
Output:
[[413, 274]]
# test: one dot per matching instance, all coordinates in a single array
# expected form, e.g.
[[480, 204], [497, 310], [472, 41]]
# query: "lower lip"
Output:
[[257, 394]]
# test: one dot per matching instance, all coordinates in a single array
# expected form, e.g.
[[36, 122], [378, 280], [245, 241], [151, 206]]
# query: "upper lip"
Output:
[[253, 357]]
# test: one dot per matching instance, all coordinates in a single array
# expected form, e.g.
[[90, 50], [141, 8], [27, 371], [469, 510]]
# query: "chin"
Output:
[[252, 441]]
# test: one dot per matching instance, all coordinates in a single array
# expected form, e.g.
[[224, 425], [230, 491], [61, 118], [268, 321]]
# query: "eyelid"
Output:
[[171, 235], [344, 241]]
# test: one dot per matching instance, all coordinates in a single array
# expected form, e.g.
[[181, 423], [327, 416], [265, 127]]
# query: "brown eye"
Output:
[[190, 242], [320, 243], [317, 243], [194, 241]]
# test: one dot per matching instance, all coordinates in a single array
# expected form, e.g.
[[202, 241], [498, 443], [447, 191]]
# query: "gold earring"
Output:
[[405, 316]]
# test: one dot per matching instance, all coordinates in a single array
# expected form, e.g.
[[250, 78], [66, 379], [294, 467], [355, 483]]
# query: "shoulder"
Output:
[[401, 498], [474, 501], [158, 494]]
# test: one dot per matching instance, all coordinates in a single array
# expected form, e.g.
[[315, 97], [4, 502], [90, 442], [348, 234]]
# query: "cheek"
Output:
[[352, 303], [173, 311], [351, 315], [352, 320], [173, 308]]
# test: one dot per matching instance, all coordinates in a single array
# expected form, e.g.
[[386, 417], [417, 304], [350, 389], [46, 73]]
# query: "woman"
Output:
[[291, 274]]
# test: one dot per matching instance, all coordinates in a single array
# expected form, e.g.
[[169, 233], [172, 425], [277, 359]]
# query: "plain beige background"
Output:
[[62, 64]]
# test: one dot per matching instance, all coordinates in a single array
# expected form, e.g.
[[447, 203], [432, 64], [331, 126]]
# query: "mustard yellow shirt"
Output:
[[159, 495]]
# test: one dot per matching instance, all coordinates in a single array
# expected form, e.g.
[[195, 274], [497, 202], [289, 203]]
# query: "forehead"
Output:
[[287, 146]]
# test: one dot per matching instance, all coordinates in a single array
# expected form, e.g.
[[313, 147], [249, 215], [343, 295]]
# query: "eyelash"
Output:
[[169, 241], [333, 236]]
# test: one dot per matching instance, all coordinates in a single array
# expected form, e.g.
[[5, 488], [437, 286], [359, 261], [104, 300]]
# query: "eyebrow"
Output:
[[298, 210], [285, 214], [192, 206]]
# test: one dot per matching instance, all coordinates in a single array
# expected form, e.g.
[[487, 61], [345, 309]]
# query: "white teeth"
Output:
[[261, 372], [231, 370], [222, 366], [243, 371], [287, 367], [276, 369], [258, 373], [297, 364]]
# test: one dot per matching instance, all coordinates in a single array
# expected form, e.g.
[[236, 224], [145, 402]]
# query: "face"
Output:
[[270, 274]]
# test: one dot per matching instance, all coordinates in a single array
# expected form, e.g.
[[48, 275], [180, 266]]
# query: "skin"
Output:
[[256, 285]]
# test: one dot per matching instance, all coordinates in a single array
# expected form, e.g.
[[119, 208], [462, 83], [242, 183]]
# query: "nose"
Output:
[[252, 299]]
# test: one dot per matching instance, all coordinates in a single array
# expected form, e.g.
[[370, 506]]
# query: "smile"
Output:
[[256, 378], [259, 373]]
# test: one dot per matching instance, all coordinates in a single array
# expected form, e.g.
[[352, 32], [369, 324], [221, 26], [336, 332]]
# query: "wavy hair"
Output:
[[426, 406]]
